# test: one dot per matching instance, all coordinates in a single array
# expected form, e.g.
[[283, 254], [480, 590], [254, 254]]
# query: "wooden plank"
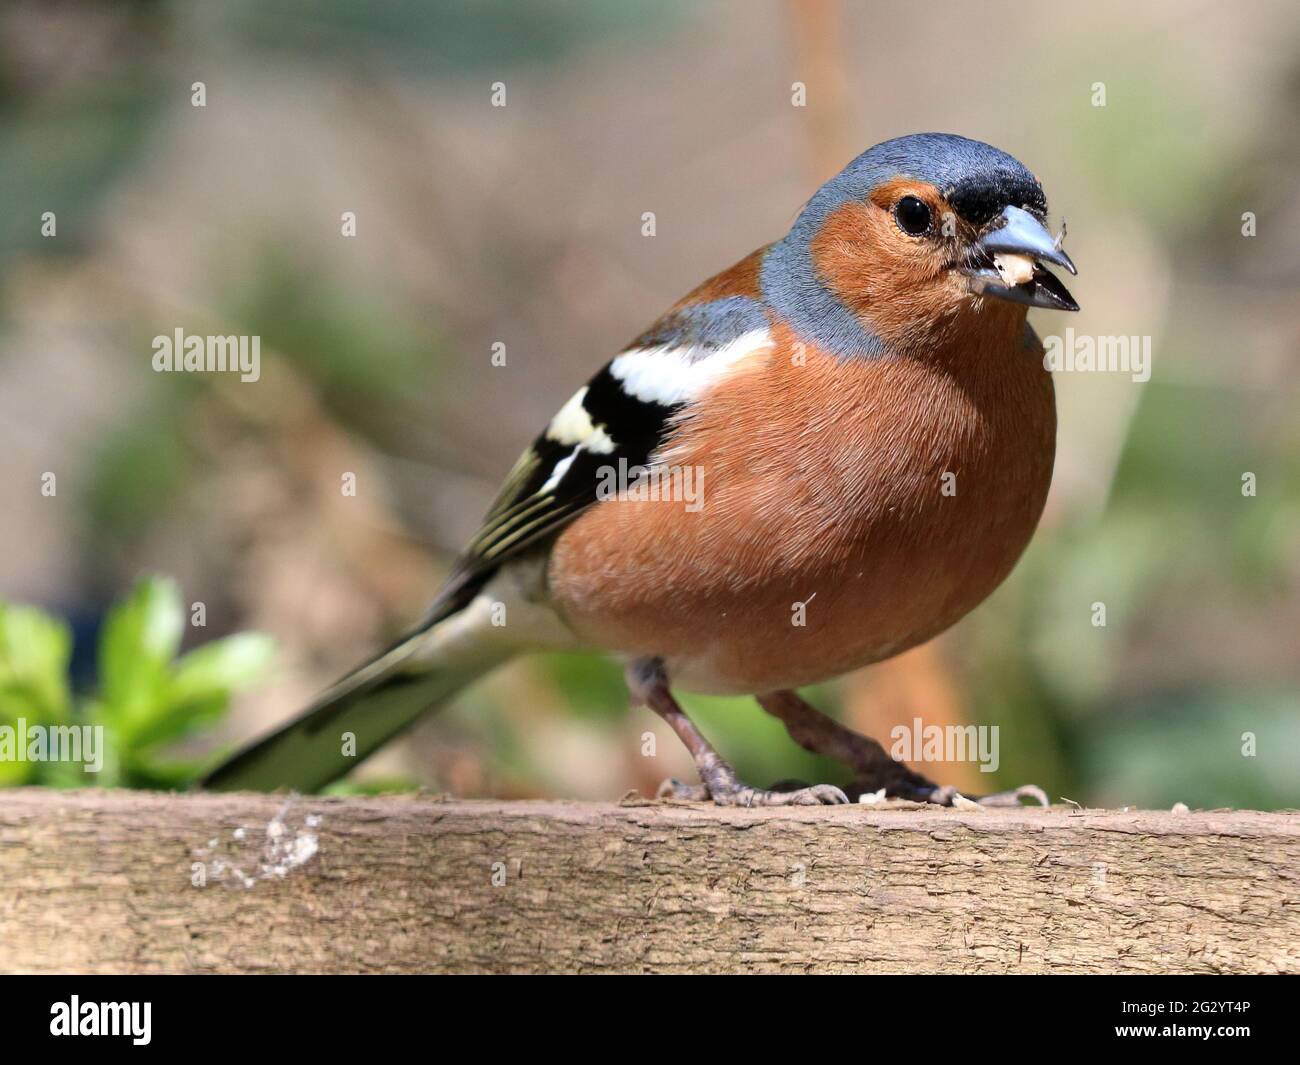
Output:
[[107, 881]]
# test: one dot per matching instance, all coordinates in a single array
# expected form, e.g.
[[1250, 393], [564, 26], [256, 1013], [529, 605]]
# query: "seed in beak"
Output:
[[1014, 269]]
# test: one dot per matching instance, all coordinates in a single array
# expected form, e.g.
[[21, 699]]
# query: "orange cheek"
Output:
[[896, 285]]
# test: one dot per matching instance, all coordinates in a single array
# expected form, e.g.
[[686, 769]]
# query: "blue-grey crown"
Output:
[[978, 179]]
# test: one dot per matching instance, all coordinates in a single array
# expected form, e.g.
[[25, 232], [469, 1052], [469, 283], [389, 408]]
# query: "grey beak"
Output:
[[1020, 233], [1017, 232]]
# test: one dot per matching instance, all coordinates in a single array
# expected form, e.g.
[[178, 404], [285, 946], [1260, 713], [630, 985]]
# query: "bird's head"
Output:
[[913, 233]]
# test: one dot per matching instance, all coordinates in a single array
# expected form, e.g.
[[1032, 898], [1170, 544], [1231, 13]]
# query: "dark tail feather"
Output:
[[357, 716]]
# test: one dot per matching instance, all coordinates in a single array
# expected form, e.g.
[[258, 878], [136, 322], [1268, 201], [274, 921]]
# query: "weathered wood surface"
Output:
[[133, 882]]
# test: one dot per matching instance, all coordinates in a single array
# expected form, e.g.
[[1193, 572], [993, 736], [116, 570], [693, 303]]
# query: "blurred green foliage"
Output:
[[450, 36], [372, 360], [148, 697]]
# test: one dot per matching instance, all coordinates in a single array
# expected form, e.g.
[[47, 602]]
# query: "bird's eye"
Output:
[[913, 215]]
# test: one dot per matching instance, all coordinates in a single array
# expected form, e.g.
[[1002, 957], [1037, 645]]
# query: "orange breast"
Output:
[[823, 484]]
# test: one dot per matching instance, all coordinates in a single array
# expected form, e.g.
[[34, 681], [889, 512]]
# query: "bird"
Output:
[[822, 456]]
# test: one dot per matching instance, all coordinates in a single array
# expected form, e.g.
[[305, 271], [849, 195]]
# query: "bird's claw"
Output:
[[735, 793], [676, 791], [912, 787], [947, 795]]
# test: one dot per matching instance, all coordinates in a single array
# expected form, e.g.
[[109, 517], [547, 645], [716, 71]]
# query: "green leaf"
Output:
[[161, 775], [197, 689], [34, 653], [110, 776], [146, 695], [15, 772], [164, 725], [228, 664], [140, 638]]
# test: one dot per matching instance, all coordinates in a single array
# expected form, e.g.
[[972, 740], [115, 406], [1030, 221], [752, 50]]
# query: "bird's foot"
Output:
[[945, 795], [679, 791], [878, 774], [728, 790], [922, 790]]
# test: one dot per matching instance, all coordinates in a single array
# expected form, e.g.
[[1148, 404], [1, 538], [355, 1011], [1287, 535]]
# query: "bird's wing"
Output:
[[623, 414], [617, 421]]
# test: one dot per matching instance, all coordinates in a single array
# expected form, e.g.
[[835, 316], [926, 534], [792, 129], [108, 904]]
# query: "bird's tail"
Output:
[[365, 709]]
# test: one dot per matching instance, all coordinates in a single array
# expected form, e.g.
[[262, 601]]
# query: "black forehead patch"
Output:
[[980, 198]]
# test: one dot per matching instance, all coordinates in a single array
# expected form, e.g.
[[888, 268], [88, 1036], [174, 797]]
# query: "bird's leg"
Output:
[[823, 735], [648, 684]]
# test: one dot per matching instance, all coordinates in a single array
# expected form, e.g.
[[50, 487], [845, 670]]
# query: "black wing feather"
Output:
[[529, 509], [534, 505]]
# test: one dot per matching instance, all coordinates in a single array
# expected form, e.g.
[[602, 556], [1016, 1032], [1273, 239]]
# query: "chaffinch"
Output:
[[826, 454]]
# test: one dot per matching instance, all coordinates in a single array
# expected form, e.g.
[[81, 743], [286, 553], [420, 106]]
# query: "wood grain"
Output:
[[104, 881]]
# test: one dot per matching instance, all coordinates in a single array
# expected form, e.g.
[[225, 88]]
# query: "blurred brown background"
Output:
[[522, 225]]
